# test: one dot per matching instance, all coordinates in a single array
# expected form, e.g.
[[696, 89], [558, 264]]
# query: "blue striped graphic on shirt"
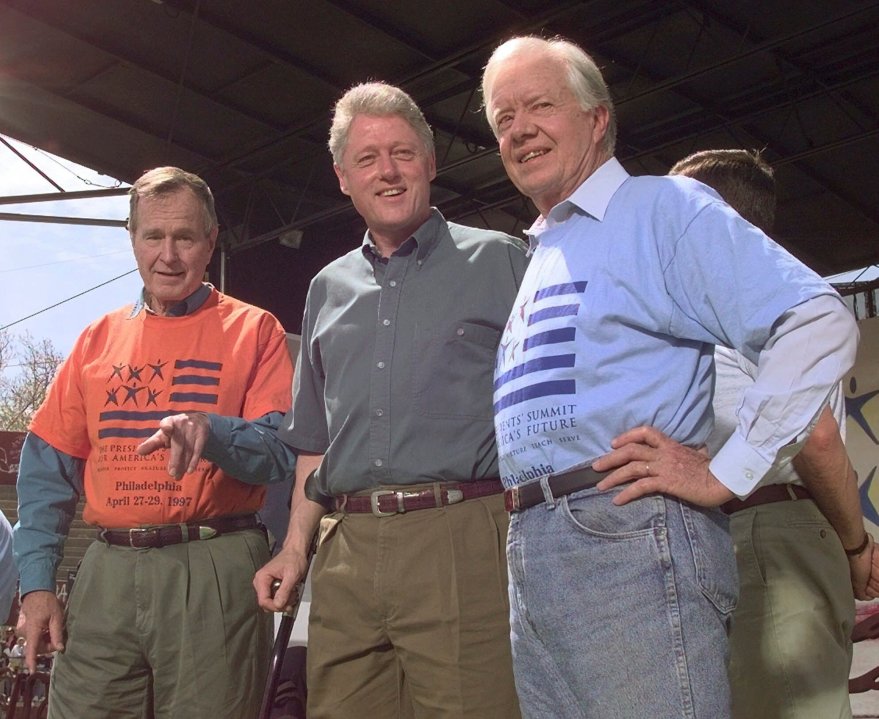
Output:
[[138, 398], [198, 364], [552, 337], [552, 312], [195, 379], [536, 365], [565, 288], [543, 314]]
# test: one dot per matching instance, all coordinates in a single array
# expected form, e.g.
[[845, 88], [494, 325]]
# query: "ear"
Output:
[[212, 238], [431, 163], [602, 116], [343, 185]]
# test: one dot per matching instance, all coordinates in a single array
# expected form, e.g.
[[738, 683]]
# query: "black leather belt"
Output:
[[387, 502], [523, 496], [165, 534], [766, 495]]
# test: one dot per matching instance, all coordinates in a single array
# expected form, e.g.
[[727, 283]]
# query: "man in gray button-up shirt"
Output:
[[392, 408]]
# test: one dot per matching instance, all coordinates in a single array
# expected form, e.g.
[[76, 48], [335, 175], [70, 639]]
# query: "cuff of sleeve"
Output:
[[37, 576], [219, 436], [313, 492], [738, 466]]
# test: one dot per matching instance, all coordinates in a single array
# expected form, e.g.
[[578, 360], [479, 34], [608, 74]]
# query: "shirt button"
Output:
[[459, 331], [393, 283], [378, 463], [380, 365], [379, 412], [386, 322], [749, 474]]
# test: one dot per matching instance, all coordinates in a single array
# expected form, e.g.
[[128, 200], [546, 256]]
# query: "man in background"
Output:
[[801, 548], [8, 572], [162, 620]]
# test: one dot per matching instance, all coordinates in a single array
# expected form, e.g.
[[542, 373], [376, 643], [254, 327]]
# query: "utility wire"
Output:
[[58, 304], [51, 158], [63, 262]]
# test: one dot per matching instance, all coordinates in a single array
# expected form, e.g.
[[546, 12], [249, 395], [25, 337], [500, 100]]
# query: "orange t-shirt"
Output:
[[127, 373]]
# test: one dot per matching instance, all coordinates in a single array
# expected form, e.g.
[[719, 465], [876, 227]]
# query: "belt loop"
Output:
[[103, 536], [341, 506], [791, 492], [437, 494], [548, 496], [184, 531]]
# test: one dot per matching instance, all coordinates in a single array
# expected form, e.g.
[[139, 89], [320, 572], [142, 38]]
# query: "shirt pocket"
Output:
[[454, 370]]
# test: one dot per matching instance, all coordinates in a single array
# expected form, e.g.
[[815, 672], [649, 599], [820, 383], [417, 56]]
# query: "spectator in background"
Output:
[[10, 639], [8, 572], [802, 552], [16, 655]]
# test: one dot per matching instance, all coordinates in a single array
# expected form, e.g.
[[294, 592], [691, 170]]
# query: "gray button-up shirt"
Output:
[[394, 378]]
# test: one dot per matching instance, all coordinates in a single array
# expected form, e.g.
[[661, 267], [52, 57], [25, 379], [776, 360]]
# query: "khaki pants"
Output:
[[167, 633], [410, 616], [790, 645]]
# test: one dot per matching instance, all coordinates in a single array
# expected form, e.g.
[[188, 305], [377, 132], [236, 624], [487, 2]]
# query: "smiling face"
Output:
[[548, 143], [386, 171], [171, 247]]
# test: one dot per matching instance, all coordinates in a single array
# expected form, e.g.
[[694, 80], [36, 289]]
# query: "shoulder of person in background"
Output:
[[8, 574]]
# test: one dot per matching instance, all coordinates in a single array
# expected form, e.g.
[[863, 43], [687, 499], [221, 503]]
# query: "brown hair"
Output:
[[741, 177]]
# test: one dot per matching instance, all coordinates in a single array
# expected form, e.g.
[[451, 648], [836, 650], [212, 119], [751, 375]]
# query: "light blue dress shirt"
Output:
[[631, 282]]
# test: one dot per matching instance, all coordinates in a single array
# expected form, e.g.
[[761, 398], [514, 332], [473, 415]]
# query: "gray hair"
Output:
[[584, 78], [166, 181], [377, 99]]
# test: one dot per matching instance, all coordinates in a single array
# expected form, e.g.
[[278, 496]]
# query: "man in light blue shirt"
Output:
[[603, 396]]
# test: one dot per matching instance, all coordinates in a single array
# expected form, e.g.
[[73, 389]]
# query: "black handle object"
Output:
[[282, 638]]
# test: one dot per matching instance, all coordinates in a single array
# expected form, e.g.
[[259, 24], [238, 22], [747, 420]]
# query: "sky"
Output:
[[43, 264]]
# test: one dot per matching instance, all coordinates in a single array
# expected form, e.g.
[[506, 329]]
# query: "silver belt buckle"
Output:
[[374, 499], [137, 530]]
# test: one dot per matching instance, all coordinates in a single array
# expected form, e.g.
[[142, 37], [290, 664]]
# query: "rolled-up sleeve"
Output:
[[809, 351]]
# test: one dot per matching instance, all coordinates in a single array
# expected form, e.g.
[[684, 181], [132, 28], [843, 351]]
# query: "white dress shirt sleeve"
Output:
[[809, 350]]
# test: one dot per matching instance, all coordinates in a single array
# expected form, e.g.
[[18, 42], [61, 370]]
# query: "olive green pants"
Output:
[[410, 616], [790, 644], [166, 633]]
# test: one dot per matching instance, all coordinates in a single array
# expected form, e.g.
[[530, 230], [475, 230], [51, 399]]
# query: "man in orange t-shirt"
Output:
[[162, 618]]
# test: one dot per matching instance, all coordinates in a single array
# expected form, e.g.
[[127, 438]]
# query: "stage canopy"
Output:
[[241, 91]]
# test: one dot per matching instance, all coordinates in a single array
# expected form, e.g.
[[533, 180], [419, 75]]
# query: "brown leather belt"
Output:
[[387, 502], [766, 495], [527, 495], [165, 534]]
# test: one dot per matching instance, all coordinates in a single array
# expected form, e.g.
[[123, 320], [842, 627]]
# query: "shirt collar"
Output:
[[186, 306], [591, 198], [422, 241]]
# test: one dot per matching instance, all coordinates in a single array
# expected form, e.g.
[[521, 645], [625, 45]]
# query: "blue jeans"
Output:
[[621, 612]]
